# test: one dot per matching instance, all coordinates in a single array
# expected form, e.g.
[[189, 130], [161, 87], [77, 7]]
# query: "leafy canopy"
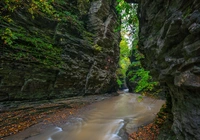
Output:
[[130, 25]]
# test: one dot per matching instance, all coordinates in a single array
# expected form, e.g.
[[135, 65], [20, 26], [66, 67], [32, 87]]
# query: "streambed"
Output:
[[109, 119]]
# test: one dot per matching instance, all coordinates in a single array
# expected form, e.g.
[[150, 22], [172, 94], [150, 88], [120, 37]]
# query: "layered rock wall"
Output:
[[89, 55], [169, 37]]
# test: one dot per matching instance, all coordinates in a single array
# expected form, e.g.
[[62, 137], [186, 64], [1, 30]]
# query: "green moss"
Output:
[[97, 48], [29, 47], [187, 12], [119, 82], [83, 6], [89, 37], [38, 45]]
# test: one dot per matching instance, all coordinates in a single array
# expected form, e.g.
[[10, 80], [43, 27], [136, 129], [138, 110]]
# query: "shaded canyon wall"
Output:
[[169, 37], [89, 55]]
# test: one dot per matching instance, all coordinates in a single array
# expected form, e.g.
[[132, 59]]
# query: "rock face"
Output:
[[169, 37], [89, 55]]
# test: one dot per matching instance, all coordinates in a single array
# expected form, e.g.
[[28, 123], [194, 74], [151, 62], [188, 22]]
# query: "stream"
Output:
[[110, 119]]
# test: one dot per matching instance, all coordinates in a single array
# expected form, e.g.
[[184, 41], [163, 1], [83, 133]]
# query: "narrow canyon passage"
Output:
[[106, 120]]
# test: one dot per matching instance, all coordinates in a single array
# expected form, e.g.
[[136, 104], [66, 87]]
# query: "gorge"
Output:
[[73, 49]]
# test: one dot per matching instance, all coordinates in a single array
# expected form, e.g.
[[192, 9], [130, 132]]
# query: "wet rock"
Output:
[[169, 39]]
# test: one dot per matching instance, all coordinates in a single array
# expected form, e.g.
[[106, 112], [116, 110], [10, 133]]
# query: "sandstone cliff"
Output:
[[81, 56], [169, 37]]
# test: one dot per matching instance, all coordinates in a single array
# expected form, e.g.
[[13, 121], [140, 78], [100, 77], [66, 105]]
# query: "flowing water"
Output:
[[107, 120]]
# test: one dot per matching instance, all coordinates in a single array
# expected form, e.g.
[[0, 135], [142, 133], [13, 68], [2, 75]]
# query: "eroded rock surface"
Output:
[[170, 40], [89, 53]]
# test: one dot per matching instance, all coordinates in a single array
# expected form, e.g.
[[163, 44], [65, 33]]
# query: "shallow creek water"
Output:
[[107, 120]]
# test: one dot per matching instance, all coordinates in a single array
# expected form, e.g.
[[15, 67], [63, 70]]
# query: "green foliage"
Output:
[[89, 37], [119, 82], [130, 25], [97, 48], [124, 61], [83, 6], [128, 14], [139, 75], [27, 45], [43, 6], [33, 6], [35, 48], [145, 82], [46, 8], [8, 36]]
